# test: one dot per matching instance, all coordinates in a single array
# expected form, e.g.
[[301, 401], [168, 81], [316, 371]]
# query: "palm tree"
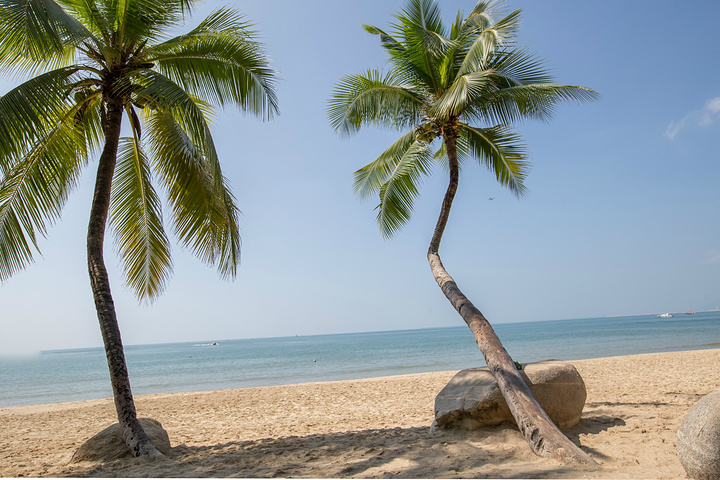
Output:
[[100, 63], [444, 85]]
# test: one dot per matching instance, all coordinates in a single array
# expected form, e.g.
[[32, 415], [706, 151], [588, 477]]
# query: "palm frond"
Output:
[[480, 18], [386, 40], [395, 175], [425, 14], [464, 92], [520, 66], [155, 92], [484, 40], [399, 192], [136, 218], [220, 20], [30, 110], [33, 192], [87, 114], [230, 242], [121, 22], [369, 179], [205, 216], [139, 20], [385, 101], [220, 62], [523, 88], [501, 151], [95, 15], [510, 105], [37, 34], [424, 45]]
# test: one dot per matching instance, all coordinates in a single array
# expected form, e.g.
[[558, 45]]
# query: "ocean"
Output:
[[81, 374]]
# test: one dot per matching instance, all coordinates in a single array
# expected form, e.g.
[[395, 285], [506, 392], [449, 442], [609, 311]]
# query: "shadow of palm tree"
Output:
[[493, 452], [592, 424]]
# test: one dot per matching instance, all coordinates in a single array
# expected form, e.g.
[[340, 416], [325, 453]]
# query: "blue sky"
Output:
[[621, 217]]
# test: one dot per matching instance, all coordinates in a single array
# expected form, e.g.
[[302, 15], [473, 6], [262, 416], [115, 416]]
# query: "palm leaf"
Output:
[[425, 14], [464, 92], [395, 175], [479, 19], [86, 113], [30, 110], [136, 218], [399, 192], [520, 67], [386, 40], [97, 17], [385, 101], [138, 20], [155, 92], [369, 179], [537, 101], [219, 62], [37, 34], [33, 192], [422, 34], [204, 211], [485, 39], [500, 150]]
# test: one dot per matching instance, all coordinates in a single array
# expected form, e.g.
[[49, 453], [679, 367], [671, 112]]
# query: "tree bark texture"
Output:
[[545, 439], [133, 433]]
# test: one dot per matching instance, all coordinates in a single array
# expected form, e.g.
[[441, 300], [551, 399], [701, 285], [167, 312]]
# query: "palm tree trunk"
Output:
[[545, 439], [133, 433]]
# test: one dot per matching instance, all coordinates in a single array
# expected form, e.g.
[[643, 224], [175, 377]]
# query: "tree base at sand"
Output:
[[109, 445]]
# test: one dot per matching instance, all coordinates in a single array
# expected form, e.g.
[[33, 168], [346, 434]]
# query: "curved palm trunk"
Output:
[[540, 432], [133, 433]]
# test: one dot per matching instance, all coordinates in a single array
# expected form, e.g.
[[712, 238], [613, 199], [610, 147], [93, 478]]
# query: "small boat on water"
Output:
[[664, 315], [690, 313]]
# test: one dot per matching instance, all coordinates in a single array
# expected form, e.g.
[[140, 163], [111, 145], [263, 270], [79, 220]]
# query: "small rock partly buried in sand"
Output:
[[472, 398], [698, 439], [108, 445]]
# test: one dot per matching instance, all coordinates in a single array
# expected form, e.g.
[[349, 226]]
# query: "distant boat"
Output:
[[690, 313], [664, 315]]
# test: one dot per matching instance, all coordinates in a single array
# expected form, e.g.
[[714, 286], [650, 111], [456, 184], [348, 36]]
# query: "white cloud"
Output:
[[708, 115], [713, 105], [674, 128], [713, 256]]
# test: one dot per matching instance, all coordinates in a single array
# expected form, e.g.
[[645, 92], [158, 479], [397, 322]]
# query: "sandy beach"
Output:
[[377, 428]]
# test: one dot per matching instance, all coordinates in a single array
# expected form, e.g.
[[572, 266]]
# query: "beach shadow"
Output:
[[630, 404], [592, 424], [493, 452]]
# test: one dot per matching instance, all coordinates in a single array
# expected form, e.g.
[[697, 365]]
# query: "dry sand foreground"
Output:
[[374, 428]]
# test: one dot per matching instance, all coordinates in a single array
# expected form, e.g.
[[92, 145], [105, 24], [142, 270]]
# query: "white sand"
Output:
[[374, 428]]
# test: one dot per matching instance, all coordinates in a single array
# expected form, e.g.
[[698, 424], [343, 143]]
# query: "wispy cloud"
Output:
[[713, 256], [708, 115]]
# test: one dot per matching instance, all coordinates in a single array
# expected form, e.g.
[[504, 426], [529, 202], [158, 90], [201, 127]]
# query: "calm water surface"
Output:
[[81, 374]]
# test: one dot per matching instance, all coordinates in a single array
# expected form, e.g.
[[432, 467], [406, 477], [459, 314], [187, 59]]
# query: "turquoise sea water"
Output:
[[81, 374]]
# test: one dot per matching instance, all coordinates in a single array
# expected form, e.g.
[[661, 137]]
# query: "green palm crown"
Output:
[[91, 57], [465, 85]]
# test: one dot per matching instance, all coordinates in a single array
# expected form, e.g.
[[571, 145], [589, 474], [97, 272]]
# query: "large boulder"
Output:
[[472, 398], [698, 439], [109, 445]]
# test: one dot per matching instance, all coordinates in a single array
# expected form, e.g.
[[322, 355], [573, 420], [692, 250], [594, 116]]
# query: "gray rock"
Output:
[[698, 439], [472, 398], [108, 445]]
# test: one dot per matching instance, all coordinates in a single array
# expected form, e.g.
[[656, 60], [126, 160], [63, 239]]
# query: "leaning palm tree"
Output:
[[99, 64], [463, 87]]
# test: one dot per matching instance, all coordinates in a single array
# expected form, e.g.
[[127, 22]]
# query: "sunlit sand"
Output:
[[376, 427]]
